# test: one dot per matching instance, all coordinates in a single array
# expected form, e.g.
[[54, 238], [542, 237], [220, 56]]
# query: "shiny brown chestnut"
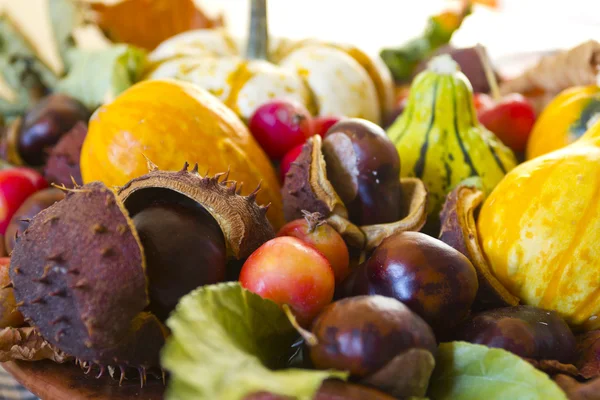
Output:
[[45, 124], [434, 280], [524, 330], [176, 231], [363, 166], [29, 209], [363, 334]]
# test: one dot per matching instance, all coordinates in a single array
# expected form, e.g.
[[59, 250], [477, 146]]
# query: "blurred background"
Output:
[[508, 29]]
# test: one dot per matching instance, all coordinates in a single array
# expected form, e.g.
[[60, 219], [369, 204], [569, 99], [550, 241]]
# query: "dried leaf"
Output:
[[307, 188], [576, 390], [401, 382], [146, 23], [25, 74], [553, 367], [588, 349], [460, 231], [579, 66], [27, 344]]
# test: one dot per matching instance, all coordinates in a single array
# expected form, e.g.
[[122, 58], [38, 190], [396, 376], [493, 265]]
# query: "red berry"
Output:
[[482, 102], [322, 124], [511, 119], [279, 126], [288, 159], [288, 271], [324, 238], [16, 185]]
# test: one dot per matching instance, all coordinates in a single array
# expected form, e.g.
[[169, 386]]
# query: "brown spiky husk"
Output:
[[243, 222], [79, 276], [307, 189]]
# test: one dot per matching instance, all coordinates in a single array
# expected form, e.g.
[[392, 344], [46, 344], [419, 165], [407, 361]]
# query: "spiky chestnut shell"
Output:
[[78, 272], [243, 222]]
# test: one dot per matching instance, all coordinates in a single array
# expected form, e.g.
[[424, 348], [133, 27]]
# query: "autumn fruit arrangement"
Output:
[[243, 227]]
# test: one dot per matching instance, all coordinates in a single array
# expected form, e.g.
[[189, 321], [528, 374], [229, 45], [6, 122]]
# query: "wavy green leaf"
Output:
[[97, 76], [466, 371], [228, 342]]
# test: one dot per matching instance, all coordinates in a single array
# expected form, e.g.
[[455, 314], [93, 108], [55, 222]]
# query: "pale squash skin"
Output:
[[172, 122], [564, 120], [540, 230], [338, 79]]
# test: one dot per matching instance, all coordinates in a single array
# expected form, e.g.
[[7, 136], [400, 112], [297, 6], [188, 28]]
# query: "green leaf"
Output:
[[24, 74], [466, 371], [65, 16], [226, 343], [97, 76]]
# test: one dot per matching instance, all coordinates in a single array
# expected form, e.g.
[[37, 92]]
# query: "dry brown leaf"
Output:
[[553, 367], [576, 390], [27, 344], [588, 349], [460, 231], [146, 23], [579, 66]]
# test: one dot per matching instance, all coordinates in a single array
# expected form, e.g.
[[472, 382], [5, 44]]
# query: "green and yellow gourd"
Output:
[[440, 139]]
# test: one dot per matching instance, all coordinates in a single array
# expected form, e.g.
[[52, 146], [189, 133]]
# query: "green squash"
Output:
[[440, 139]]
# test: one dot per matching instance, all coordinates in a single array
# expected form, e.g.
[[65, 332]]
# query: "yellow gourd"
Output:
[[564, 120], [540, 230]]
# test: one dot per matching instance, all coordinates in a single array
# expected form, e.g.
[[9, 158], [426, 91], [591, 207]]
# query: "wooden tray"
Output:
[[52, 381]]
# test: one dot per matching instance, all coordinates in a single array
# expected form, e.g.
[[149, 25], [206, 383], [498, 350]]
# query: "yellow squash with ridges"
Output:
[[540, 230]]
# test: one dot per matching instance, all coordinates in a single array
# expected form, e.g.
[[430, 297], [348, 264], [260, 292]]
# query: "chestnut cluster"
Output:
[[49, 137]]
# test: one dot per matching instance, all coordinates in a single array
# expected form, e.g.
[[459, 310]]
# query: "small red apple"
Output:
[[288, 271], [323, 237], [511, 119]]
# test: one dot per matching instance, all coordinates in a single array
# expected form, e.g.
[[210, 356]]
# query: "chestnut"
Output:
[[363, 334], [44, 125], [30, 208], [363, 166], [524, 330], [183, 245], [433, 279]]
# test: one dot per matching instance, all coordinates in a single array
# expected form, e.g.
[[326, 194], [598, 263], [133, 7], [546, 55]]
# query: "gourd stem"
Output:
[[489, 72], [258, 33]]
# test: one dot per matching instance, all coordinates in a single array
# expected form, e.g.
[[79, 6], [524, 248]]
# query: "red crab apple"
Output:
[[511, 118], [320, 235], [322, 124], [279, 126], [287, 160], [16, 185], [288, 271]]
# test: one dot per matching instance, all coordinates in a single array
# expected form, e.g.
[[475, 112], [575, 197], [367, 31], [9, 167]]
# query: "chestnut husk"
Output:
[[307, 188], [65, 306], [459, 230]]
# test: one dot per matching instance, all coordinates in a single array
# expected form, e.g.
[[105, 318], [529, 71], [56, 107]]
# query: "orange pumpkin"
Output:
[[171, 122]]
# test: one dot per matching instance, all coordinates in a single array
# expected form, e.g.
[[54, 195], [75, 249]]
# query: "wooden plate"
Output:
[[52, 381]]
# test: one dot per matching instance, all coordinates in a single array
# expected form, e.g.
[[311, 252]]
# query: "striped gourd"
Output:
[[440, 139]]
